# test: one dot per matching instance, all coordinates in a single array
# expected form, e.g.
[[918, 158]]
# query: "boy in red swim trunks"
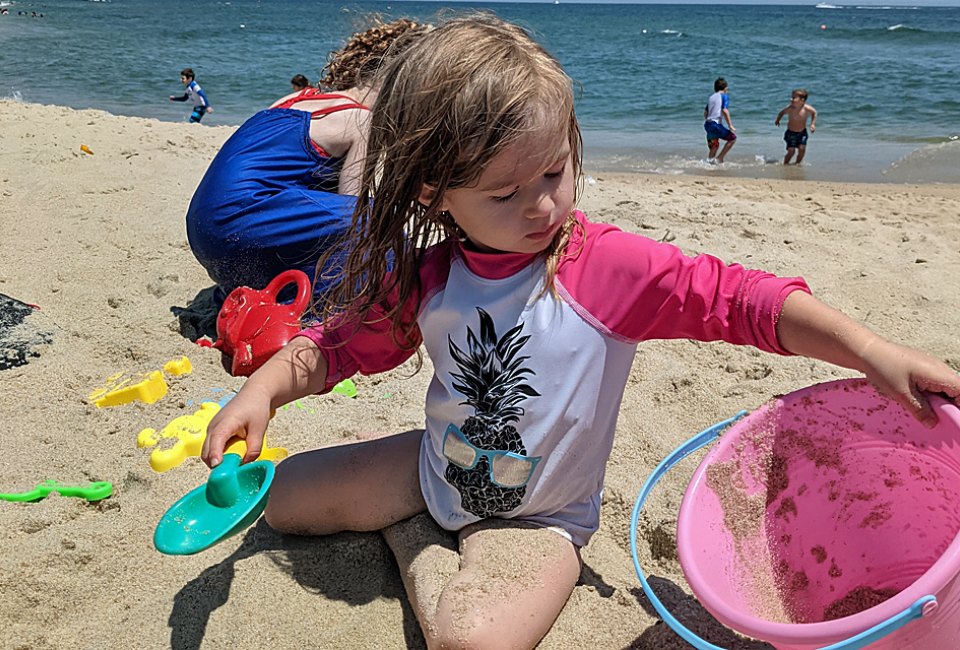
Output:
[[797, 112], [715, 112]]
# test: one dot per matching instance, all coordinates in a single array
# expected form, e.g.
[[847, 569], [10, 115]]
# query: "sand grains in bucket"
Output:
[[753, 491]]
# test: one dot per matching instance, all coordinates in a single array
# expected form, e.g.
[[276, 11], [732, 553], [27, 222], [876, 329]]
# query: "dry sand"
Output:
[[98, 242]]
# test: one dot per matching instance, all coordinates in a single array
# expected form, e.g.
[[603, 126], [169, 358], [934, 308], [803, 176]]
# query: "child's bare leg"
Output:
[[790, 152], [513, 580], [801, 151], [427, 557], [360, 486], [726, 147], [712, 147]]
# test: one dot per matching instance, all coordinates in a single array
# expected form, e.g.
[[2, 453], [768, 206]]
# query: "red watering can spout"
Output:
[[252, 326]]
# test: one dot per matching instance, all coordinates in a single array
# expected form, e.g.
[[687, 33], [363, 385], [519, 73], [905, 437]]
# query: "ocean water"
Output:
[[883, 78]]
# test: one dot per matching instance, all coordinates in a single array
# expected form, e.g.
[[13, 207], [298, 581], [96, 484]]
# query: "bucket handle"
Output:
[[922, 606]]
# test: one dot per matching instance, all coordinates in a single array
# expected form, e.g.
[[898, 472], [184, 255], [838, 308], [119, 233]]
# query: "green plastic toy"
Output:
[[96, 491], [232, 499]]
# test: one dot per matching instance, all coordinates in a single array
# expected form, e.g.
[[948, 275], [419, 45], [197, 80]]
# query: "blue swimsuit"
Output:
[[268, 202]]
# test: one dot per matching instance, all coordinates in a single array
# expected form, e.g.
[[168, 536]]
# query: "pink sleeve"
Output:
[[369, 347], [651, 290]]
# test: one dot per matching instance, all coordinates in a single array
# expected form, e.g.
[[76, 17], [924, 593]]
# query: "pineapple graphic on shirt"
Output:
[[492, 378]]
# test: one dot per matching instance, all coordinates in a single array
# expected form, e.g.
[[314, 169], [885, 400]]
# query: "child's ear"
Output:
[[427, 194]]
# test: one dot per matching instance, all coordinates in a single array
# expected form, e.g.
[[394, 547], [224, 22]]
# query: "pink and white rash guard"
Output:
[[517, 370]]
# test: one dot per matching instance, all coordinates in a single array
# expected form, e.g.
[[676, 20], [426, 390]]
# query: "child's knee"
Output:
[[462, 628], [294, 506]]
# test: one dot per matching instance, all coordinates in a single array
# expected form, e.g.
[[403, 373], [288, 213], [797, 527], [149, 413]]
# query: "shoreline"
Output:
[[756, 156], [98, 242]]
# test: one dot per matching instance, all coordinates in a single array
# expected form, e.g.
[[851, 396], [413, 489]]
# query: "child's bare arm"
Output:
[[726, 114], [780, 115], [813, 118], [810, 328], [299, 369]]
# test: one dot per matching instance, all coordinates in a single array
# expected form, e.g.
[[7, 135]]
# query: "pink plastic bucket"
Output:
[[829, 517]]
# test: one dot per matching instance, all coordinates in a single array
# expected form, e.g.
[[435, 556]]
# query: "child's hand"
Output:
[[209, 109], [904, 374], [245, 416]]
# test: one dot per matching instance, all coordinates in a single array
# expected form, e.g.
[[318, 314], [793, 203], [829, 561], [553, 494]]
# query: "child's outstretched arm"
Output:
[[813, 118], [780, 115], [298, 370], [810, 328]]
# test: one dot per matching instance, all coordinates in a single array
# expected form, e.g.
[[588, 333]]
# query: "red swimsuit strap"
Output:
[[312, 94]]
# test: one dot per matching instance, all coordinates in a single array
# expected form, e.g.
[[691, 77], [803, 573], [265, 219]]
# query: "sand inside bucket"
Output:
[[751, 483]]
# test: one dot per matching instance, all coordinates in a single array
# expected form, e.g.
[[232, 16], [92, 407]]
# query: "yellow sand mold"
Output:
[[190, 432]]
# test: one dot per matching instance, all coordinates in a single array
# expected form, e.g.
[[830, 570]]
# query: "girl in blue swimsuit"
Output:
[[282, 189]]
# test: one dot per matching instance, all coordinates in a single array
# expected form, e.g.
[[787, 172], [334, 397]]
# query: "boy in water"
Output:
[[714, 114], [193, 92], [797, 112]]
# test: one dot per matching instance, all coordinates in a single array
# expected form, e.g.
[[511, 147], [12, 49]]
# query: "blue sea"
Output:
[[885, 79]]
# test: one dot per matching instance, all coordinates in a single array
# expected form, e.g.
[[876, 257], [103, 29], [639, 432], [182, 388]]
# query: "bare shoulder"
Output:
[[337, 132]]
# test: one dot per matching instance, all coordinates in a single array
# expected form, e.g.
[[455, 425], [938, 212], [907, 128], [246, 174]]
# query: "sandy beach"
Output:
[[97, 241]]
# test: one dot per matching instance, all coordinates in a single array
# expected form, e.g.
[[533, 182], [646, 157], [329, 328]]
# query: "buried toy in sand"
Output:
[[828, 518]]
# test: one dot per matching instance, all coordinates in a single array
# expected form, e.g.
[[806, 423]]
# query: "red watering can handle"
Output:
[[291, 276]]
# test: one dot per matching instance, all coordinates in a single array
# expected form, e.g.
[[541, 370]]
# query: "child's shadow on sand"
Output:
[[318, 564]]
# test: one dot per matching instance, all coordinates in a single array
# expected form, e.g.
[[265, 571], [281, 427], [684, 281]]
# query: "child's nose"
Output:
[[541, 206]]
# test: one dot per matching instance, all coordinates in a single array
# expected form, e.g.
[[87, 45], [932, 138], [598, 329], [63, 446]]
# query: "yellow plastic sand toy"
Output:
[[190, 432], [177, 367], [120, 389]]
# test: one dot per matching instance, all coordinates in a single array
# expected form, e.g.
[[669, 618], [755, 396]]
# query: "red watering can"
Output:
[[252, 326]]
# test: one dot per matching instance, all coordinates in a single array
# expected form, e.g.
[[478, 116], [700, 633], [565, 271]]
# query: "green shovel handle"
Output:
[[96, 491]]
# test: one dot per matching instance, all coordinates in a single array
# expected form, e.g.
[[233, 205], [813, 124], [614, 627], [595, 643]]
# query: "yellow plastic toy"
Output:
[[190, 431], [119, 390], [177, 367]]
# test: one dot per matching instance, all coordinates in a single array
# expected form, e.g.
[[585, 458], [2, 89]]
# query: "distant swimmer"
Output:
[[193, 92], [299, 82], [797, 112]]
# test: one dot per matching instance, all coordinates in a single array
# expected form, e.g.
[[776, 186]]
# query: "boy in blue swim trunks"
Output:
[[714, 114], [797, 112], [193, 92]]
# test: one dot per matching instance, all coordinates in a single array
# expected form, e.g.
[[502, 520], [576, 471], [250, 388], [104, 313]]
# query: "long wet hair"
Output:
[[460, 95]]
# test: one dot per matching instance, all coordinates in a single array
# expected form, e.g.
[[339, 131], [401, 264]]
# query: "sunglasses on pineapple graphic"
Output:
[[507, 469]]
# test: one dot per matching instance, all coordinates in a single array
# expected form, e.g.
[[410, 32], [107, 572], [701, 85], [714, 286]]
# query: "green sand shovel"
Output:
[[232, 499], [96, 491]]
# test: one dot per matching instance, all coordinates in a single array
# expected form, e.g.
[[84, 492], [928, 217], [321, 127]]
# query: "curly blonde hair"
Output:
[[357, 62]]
